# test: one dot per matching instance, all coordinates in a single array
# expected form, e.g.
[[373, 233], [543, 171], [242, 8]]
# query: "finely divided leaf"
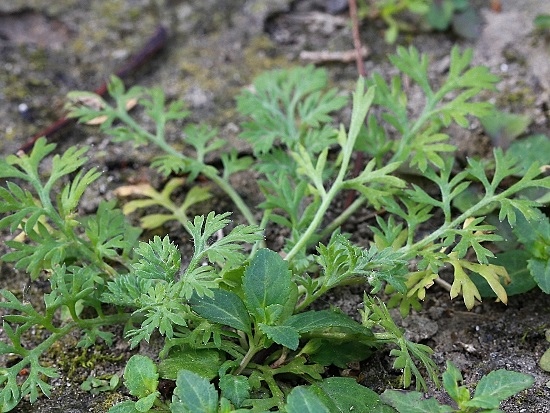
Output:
[[285, 104], [160, 259]]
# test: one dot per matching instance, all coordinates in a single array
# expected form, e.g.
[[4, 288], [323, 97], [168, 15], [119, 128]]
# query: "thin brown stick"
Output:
[[155, 43], [325, 56]]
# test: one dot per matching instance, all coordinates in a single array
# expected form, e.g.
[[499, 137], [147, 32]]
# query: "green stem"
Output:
[[308, 234], [343, 217], [327, 200], [222, 183], [455, 223], [252, 350]]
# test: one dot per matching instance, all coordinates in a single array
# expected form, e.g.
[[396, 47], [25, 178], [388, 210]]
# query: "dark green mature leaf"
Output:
[[533, 149], [504, 128], [468, 23], [344, 394], [223, 307], [440, 14], [235, 388], [204, 362], [413, 402], [127, 406], [284, 335], [194, 394], [266, 283], [340, 354], [304, 400], [540, 270], [311, 321], [534, 234]]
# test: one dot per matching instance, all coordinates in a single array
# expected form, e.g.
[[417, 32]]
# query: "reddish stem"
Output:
[[155, 43]]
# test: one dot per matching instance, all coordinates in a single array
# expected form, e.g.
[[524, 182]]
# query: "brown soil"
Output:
[[216, 48]]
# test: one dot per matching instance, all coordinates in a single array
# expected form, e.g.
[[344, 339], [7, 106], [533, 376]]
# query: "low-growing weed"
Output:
[[435, 14], [235, 317], [493, 388]]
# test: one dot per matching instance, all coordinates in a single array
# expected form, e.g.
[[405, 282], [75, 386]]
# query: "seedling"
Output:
[[493, 388]]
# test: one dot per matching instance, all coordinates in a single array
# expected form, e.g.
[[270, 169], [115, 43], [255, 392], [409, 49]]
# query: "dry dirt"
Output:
[[214, 49]]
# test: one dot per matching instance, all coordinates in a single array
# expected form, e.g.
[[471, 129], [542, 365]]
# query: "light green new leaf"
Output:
[[194, 394], [451, 379], [497, 386], [160, 259], [141, 376]]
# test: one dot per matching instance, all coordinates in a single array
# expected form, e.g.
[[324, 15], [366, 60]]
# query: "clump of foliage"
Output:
[[435, 14], [493, 388], [235, 312]]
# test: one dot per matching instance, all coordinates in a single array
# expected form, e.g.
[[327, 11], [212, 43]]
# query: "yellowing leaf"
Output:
[[492, 274], [462, 283]]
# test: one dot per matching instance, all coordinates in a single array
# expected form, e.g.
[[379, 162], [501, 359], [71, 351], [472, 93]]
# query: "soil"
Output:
[[215, 48]]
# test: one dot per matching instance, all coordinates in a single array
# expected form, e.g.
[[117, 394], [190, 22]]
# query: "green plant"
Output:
[[493, 388], [97, 385], [53, 239], [195, 394], [527, 266], [242, 309], [437, 14]]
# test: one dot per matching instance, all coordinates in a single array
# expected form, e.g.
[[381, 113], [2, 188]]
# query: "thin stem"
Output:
[[306, 236], [343, 217], [456, 222], [252, 350], [222, 183]]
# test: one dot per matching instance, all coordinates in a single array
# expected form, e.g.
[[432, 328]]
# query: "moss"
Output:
[[110, 400], [76, 363], [517, 99]]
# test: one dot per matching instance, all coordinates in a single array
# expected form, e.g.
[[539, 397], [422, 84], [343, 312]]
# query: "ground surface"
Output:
[[216, 48]]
